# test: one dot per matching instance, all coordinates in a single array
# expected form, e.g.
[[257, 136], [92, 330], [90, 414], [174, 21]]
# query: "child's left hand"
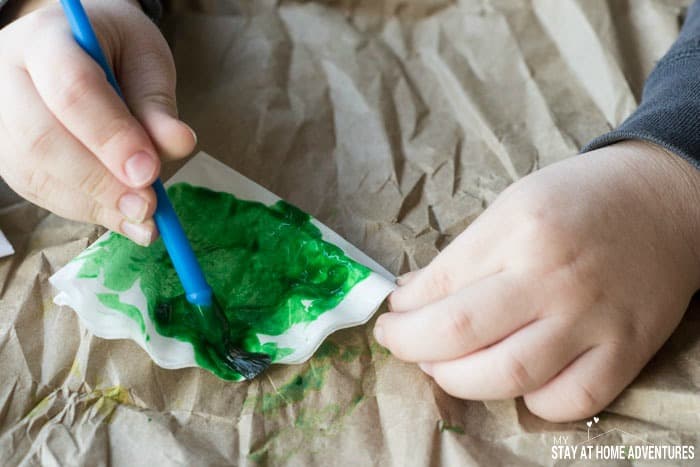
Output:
[[563, 289]]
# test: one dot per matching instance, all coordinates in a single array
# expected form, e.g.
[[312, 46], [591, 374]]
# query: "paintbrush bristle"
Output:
[[248, 364]]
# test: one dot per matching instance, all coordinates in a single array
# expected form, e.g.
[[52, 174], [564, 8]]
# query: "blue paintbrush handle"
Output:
[[188, 270]]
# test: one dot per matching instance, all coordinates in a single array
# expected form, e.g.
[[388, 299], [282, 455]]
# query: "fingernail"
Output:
[[140, 167], [427, 368], [379, 335], [194, 135], [133, 207], [139, 233]]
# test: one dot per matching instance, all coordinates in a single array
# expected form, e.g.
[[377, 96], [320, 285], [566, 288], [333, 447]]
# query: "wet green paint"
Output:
[[268, 266], [111, 300]]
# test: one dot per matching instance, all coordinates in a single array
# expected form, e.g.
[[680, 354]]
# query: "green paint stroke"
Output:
[[111, 300], [268, 266]]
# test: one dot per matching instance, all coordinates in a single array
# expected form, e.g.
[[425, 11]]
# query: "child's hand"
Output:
[[563, 289], [67, 142]]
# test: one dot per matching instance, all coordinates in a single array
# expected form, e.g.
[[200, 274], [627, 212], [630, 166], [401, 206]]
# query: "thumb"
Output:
[[147, 77]]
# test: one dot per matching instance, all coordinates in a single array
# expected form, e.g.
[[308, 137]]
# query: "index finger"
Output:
[[76, 91], [469, 258], [466, 321]]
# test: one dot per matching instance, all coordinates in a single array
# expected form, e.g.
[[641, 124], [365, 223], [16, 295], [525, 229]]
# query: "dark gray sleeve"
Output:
[[153, 8], [669, 114]]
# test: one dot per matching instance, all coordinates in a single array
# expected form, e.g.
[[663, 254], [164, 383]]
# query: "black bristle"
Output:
[[248, 364]]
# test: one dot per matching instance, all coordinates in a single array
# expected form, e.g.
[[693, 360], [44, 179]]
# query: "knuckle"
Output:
[[439, 282], [38, 184], [539, 224], [41, 141], [157, 56], [582, 401], [96, 213], [95, 184], [160, 97], [77, 83], [625, 328], [116, 130], [461, 325], [552, 245], [517, 376]]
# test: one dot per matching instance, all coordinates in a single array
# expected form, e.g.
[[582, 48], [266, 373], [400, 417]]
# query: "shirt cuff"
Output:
[[669, 114]]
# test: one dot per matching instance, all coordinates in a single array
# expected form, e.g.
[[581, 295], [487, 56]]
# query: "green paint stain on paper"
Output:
[[310, 431], [307, 424], [296, 389], [351, 353], [268, 266], [443, 426]]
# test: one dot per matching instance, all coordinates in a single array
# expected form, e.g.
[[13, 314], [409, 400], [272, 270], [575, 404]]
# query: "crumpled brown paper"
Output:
[[412, 117]]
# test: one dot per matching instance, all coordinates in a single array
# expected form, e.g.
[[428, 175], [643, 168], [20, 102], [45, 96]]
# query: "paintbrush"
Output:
[[197, 291]]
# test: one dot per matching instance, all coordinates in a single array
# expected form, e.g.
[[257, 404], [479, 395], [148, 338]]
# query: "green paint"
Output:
[[311, 379], [268, 266], [309, 433], [111, 300], [328, 349], [350, 353], [312, 425], [443, 426]]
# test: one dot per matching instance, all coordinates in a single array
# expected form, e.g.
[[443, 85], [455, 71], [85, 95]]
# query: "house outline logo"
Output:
[[629, 447], [611, 431], [594, 421]]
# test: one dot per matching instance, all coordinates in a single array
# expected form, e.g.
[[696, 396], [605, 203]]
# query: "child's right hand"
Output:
[[67, 141]]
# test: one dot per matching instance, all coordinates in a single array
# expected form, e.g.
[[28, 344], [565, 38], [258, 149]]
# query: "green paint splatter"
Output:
[[328, 349], [311, 427], [350, 353], [310, 431], [311, 379], [295, 390], [443, 426], [268, 266], [111, 300]]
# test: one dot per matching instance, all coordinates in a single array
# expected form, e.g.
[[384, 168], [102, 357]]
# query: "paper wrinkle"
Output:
[[396, 124], [609, 89]]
